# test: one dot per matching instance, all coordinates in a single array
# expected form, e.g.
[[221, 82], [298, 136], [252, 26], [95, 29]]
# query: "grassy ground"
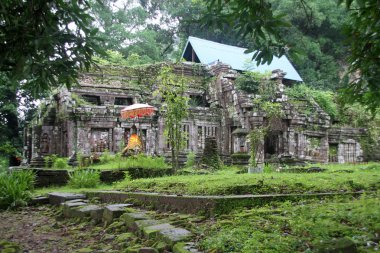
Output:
[[297, 227], [225, 182]]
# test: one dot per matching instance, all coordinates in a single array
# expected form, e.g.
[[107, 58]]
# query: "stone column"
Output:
[[324, 149], [291, 143]]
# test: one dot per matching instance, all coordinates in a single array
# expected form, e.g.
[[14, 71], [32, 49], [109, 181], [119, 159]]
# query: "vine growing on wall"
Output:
[[265, 101], [174, 109]]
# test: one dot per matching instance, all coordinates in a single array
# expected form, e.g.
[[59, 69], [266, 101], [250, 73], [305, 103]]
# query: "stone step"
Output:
[[174, 235], [70, 208], [114, 211], [165, 235], [151, 232], [40, 200], [57, 198], [131, 219]]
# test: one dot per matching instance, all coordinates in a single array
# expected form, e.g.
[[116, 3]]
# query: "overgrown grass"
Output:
[[227, 182], [15, 188], [3, 164], [84, 179], [296, 227], [139, 161]]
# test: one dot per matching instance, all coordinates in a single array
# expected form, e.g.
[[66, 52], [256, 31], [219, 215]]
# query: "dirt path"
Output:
[[36, 229]]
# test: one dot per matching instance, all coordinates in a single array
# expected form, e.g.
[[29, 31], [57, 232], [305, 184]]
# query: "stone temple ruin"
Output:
[[87, 119]]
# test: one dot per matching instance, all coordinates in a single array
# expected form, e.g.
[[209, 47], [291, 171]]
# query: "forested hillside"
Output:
[[157, 31]]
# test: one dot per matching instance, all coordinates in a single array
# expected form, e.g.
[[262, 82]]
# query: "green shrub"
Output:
[[269, 168], [85, 178], [190, 159], [138, 161], [106, 157], [49, 160], [4, 162], [325, 99], [15, 188], [60, 163], [250, 81]]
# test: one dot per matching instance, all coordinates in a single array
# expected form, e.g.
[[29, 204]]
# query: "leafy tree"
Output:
[[315, 39], [258, 21], [131, 29], [254, 21], [43, 44], [363, 37], [174, 110]]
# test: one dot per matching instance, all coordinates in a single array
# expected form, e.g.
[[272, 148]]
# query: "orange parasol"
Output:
[[137, 110]]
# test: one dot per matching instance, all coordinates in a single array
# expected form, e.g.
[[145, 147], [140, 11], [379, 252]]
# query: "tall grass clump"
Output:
[[60, 163], [85, 178], [15, 188], [3, 164], [137, 161], [190, 160]]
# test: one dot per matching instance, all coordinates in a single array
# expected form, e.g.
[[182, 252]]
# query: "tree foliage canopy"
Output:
[[316, 28], [364, 41], [44, 42]]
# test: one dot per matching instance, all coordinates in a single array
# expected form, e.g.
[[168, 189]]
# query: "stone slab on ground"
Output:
[[40, 200], [152, 232], [112, 212], [130, 218], [174, 235], [56, 198], [93, 211], [139, 225], [96, 213], [70, 209]]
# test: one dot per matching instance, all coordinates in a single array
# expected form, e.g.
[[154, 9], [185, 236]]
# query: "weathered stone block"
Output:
[[90, 211], [130, 218], [96, 213], [139, 225], [112, 212], [152, 232], [57, 198], [70, 209], [174, 235], [41, 200]]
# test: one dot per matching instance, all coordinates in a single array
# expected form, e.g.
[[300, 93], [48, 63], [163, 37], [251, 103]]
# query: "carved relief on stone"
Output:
[[45, 140], [99, 140]]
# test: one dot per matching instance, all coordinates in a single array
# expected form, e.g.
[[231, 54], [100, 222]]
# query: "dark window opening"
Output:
[[272, 145], [95, 100], [123, 101], [198, 100], [333, 153]]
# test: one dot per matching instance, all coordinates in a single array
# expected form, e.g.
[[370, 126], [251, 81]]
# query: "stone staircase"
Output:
[[162, 233]]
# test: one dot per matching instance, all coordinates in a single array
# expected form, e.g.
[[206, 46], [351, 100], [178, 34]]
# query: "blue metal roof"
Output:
[[209, 52]]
